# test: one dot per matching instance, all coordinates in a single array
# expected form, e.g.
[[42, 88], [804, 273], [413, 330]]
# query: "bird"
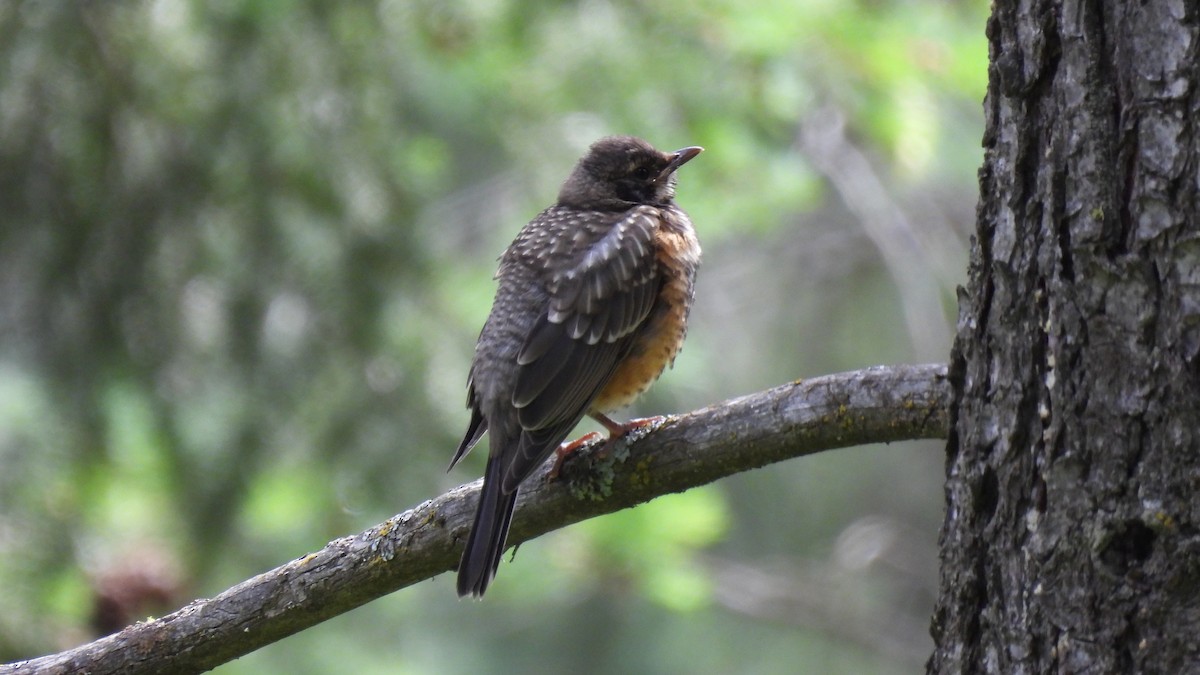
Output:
[[591, 306]]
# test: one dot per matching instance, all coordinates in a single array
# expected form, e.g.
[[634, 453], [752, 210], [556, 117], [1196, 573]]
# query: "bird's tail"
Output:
[[485, 545]]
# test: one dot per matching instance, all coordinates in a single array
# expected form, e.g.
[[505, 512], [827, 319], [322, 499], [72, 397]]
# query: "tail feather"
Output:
[[475, 430], [485, 545]]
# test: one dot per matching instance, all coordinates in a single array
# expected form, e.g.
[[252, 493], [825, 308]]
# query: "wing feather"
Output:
[[600, 292]]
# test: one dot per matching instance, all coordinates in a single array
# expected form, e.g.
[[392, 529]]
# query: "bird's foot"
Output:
[[562, 452], [616, 432]]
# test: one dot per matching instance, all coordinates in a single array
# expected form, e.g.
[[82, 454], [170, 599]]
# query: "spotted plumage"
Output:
[[592, 305]]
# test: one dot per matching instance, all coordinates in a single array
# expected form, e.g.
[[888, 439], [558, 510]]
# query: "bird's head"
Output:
[[619, 170]]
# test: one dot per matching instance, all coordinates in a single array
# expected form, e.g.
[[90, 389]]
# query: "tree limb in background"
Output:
[[880, 404]]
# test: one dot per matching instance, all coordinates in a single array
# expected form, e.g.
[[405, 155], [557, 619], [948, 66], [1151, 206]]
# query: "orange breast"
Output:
[[660, 339]]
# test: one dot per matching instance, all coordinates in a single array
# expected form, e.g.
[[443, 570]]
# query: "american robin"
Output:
[[592, 305]]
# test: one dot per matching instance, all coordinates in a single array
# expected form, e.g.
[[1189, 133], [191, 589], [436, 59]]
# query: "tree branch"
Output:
[[879, 404]]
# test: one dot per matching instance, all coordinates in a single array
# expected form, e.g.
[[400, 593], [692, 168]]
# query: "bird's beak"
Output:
[[678, 159]]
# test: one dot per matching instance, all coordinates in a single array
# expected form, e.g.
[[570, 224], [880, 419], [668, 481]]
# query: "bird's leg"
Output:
[[616, 431], [565, 450]]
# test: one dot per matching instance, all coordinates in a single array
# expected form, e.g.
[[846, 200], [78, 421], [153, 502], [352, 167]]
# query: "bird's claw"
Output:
[[562, 452], [616, 432]]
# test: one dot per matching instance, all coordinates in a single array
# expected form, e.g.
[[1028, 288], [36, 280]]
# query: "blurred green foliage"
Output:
[[246, 246]]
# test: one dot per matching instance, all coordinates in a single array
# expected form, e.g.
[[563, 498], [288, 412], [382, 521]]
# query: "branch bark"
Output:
[[880, 404]]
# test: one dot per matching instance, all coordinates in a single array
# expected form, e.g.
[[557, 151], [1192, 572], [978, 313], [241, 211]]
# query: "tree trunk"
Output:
[[1072, 533]]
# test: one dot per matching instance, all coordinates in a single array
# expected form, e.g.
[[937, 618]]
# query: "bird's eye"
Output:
[[642, 172]]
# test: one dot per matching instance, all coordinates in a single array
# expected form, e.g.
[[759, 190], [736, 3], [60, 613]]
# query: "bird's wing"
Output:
[[475, 429], [599, 296]]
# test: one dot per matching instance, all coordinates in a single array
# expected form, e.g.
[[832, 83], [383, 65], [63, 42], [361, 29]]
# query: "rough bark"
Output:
[[804, 417], [1070, 542]]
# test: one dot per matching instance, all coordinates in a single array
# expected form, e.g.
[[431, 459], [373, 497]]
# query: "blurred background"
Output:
[[246, 248]]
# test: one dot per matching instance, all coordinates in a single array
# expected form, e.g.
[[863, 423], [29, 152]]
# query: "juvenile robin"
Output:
[[592, 305]]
